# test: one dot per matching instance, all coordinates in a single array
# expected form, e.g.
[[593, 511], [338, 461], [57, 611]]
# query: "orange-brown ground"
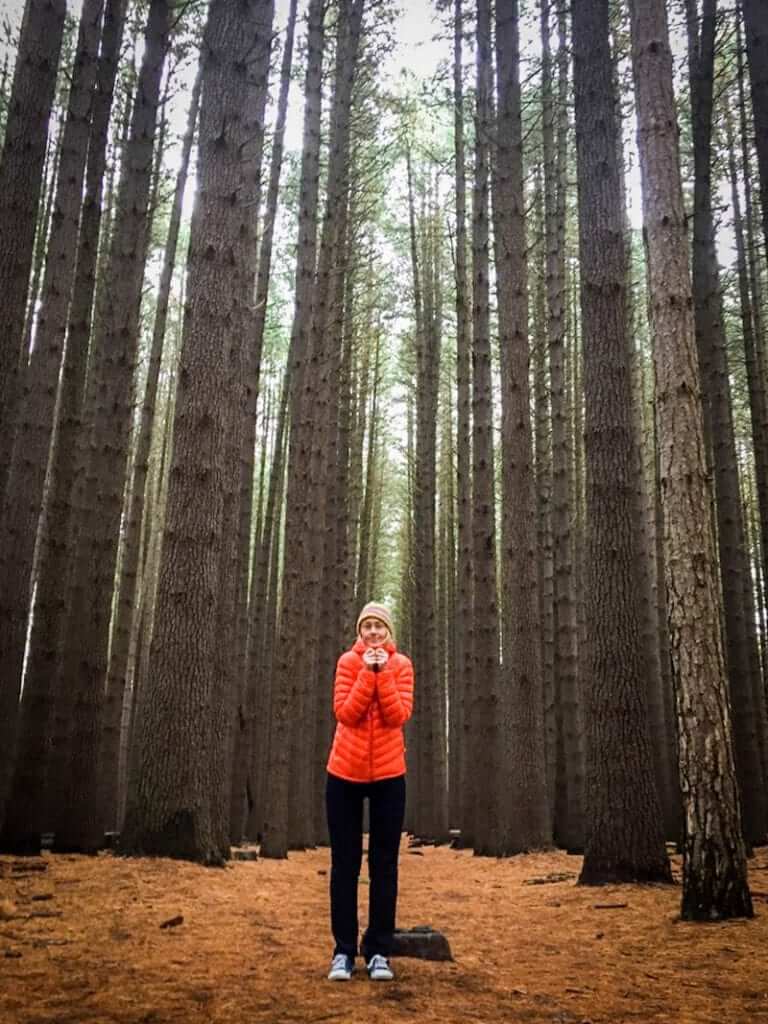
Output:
[[254, 946]]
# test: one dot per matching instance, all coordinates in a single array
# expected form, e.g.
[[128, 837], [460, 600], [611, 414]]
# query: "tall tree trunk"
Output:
[[38, 386], [175, 809], [718, 420], [450, 677], [21, 179], [51, 720], [433, 820], [83, 666], [624, 840], [485, 609], [524, 820], [758, 410], [319, 422], [463, 623], [48, 187], [543, 464], [264, 614], [287, 673], [244, 756], [755, 15], [714, 858], [129, 567], [568, 821], [651, 626]]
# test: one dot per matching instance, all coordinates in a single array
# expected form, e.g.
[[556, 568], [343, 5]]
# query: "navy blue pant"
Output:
[[344, 805]]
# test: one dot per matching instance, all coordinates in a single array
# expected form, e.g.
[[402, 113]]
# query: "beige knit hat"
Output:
[[373, 610]]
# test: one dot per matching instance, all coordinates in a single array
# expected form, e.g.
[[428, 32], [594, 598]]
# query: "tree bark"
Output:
[[433, 807], [21, 169], [175, 809], [524, 812], [714, 858], [37, 402], [57, 528], [755, 14], [485, 610], [287, 674], [718, 425], [624, 837], [83, 666], [127, 588]]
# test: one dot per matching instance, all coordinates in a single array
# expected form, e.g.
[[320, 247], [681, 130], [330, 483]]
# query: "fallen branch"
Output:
[[565, 876]]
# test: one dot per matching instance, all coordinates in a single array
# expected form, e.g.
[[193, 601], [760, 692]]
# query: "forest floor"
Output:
[[82, 942]]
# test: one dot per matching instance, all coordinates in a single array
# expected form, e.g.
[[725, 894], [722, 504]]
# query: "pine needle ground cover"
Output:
[[105, 939]]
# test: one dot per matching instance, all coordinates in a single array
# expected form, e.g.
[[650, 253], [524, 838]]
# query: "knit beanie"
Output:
[[373, 610]]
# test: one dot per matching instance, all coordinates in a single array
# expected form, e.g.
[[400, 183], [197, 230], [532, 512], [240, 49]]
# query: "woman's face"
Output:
[[373, 632]]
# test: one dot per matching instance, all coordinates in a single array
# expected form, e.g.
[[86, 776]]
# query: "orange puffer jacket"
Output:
[[370, 709]]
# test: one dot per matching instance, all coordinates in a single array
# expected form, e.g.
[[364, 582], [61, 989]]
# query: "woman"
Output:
[[372, 699]]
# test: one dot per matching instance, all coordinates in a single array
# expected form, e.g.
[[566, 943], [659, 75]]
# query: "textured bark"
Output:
[[287, 675], [433, 808], [79, 824], [756, 297], [752, 231], [52, 718], [237, 621], [524, 820], [758, 410], [651, 626], [313, 430], [243, 782], [49, 186], [21, 168], [543, 469], [264, 621], [36, 400], [319, 416], [369, 427], [755, 14], [485, 610], [446, 595], [714, 859], [624, 837], [175, 807], [718, 420], [463, 624], [134, 516], [569, 756]]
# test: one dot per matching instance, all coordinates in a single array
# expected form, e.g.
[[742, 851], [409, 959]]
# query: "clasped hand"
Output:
[[375, 658]]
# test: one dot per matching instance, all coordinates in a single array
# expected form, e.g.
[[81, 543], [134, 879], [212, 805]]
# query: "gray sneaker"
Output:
[[342, 967], [379, 969]]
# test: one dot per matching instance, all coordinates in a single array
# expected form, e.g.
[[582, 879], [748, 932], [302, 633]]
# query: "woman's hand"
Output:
[[375, 658]]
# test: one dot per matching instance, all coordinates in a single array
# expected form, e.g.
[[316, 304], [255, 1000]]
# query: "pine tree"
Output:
[[176, 797], [21, 182], [524, 814], [714, 859], [624, 837]]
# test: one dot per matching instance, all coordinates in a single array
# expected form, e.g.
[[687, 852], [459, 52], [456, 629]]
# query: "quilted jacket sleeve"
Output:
[[353, 690], [394, 688]]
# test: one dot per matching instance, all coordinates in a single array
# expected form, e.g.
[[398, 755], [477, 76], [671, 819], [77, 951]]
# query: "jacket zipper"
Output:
[[370, 742]]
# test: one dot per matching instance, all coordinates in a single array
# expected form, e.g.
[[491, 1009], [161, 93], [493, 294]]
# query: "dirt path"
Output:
[[81, 942]]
